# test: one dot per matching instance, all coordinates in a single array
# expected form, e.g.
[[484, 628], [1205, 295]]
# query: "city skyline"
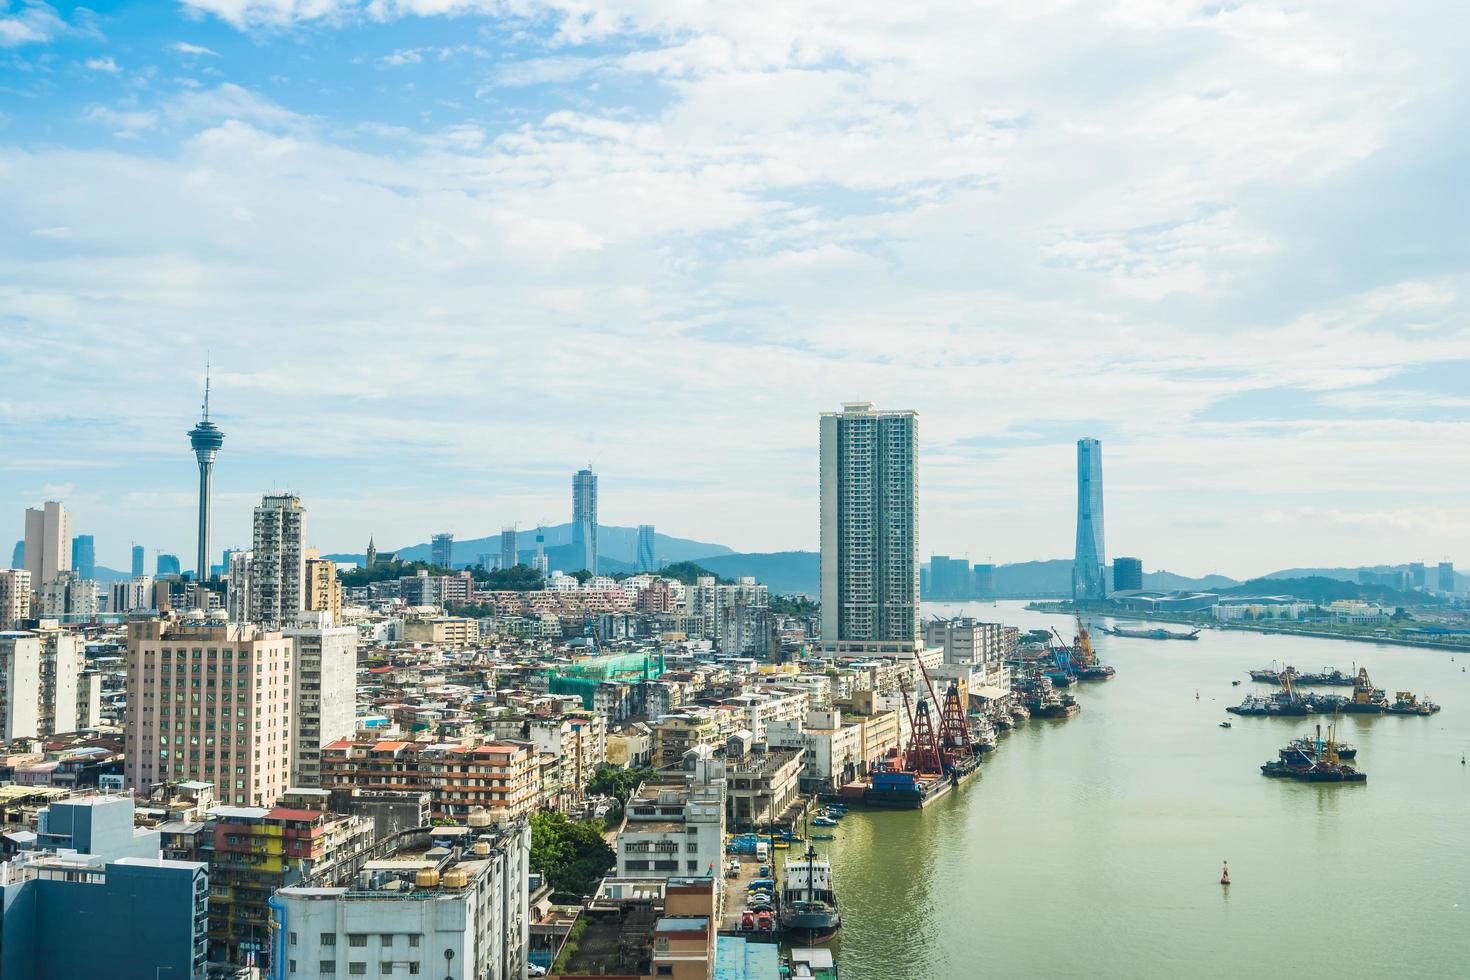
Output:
[[1186, 295]]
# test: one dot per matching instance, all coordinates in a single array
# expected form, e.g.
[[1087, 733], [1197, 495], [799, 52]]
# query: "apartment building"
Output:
[[324, 686], [278, 560], [211, 701], [20, 684], [15, 597], [676, 826], [451, 903], [502, 777]]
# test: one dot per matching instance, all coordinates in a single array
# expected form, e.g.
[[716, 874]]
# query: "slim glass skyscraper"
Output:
[[139, 556], [646, 560], [584, 518], [441, 549], [1089, 578], [84, 556], [869, 533], [508, 547]]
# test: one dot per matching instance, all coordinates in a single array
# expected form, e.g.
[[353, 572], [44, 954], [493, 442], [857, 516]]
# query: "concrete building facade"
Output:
[[869, 532], [324, 667], [210, 701], [48, 542], [278, 561]]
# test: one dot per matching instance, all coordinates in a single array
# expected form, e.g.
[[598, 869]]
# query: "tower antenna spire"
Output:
[[206, 387]]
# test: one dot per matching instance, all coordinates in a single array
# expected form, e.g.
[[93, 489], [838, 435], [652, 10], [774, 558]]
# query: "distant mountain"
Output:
[[101, 574], [785, 572], [1323, 589], [617, 549]]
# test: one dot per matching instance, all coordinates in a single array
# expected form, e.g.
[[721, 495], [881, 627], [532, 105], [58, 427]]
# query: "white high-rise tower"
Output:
[[869, 533]]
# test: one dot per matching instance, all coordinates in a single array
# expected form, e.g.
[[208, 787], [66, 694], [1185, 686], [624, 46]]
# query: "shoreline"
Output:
[[1462, 647]]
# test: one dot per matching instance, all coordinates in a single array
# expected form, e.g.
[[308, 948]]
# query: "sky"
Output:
[[442, 253]]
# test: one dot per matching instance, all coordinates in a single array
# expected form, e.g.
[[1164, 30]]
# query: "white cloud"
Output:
[[29, 22], [820, 202], [184, 47], [102, 64]]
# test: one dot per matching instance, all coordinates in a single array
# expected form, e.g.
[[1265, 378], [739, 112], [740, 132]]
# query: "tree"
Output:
[[687, 572], [571, 856], [615, 782], [793, 605]]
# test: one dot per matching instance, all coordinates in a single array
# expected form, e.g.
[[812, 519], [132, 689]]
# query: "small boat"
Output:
[[824, 821], [1235, 683], [1224, 724], [781, 845], [823, 837]]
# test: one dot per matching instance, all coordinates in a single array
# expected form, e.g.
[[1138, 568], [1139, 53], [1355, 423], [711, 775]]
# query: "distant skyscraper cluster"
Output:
[[869, 531], [1089, 574], [584, 518]]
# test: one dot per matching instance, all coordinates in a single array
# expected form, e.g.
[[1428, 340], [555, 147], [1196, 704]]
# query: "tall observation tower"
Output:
[[206, 438]]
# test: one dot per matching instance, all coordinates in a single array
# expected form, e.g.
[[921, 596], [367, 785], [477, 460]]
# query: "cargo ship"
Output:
[[1311, 746], [1327, 677], [907, 789], [1405, 703], [809, 899], [1319, 762], [1158, 633]]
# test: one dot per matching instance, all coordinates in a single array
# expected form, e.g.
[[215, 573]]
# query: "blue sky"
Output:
[[444, 253]]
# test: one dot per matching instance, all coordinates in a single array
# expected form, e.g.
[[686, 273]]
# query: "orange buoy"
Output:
[[1225, 874]]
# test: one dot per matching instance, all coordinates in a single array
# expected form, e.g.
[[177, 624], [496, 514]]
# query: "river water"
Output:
[[1091, 847]]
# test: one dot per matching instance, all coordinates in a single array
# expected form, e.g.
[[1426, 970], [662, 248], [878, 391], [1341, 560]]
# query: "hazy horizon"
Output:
[[442, 255]]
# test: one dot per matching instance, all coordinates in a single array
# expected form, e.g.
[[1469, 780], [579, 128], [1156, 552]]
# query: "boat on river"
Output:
[[1157, 633], [809, 899], [1326, 677], [1405, 703], [1317, 762]]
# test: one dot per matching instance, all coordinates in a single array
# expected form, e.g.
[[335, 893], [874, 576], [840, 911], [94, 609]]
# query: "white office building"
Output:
[[452, 903], [869, 533], [20, 685], [48, 542], [325, 687], [15, 597]]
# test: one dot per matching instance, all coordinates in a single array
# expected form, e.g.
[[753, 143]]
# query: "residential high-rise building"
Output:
[[278, 562], [508, 547], [504, 777], [20, 685], [325, 684], [67, 597], [441, 550], [62, 661], [206, 439], [584, 519], [15, 597], [138, 558], [1089, 579], [869, 533], [949, 578], [237, 590], [211, 701], [1127, 574], [983, 580], [647, 560], [84, 556], [1447, 576], [48, 542], [323, 589]]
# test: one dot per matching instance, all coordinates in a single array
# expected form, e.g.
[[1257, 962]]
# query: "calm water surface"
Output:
[[1092, 847]]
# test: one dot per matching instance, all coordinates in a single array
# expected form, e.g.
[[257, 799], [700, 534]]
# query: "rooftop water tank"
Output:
[[455, 878], [426, 878], [479, 817], [482, 848]]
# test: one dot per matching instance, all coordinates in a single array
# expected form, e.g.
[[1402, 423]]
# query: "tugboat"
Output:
[[809, 900], [1284, 703], [1320, 764], [1311, 745], [1019, 713]]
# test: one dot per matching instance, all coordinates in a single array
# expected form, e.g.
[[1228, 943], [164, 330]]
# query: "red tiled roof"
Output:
[[286, 813]]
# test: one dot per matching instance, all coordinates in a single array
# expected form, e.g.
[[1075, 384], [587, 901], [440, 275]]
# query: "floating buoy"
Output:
[[1225, 874], [1196, 695]]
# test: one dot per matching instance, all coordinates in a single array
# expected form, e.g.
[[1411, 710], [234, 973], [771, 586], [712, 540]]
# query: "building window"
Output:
[[329, 939], [385, 968], [664, 970], [357, 969], [292, 965], [413, 939], [357, 939], [413, 968], [327, 967], [386, 939]]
